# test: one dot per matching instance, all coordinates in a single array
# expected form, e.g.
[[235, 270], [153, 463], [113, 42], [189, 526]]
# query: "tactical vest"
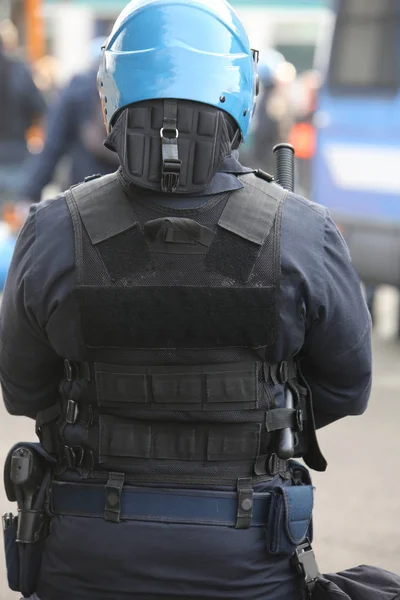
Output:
[[179, 318]]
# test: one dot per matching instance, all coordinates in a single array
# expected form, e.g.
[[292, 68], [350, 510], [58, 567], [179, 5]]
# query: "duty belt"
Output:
[[115, 502]]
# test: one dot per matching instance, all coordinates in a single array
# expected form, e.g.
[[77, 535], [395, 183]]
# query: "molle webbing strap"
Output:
[[104, 208], [210, 388], [127, 439], [250, 212]]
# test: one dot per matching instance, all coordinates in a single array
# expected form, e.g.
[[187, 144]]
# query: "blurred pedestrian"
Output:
[[75, 130], [273, 114], [21, 107]]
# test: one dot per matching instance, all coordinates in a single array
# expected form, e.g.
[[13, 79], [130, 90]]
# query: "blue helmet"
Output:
[[197, 50]]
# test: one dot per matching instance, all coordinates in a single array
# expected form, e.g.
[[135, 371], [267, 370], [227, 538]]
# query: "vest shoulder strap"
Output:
[[103, 207], [250, 212]]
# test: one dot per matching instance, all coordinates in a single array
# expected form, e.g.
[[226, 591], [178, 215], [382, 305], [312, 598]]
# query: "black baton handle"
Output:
[[284, 166]]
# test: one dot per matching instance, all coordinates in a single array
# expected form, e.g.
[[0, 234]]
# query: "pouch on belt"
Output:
[[290, 515]]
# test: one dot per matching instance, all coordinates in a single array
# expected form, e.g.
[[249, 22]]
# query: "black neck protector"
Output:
[[173, 146]]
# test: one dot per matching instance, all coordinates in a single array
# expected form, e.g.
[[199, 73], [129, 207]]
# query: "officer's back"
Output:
[[193, 321]]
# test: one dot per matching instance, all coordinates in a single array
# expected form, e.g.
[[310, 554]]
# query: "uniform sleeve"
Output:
[[30, 370], [337, 356]]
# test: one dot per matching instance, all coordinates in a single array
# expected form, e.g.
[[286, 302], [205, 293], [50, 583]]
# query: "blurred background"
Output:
[[330, 85]]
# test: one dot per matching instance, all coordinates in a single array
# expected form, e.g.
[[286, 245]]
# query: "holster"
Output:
[[25, 535]]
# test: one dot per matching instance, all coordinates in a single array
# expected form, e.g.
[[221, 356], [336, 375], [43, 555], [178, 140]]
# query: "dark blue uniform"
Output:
[[75, 106], [322, 315]]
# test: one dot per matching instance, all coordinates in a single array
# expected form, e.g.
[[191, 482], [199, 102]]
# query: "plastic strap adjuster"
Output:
[[283, 372], [276, 465], [305, 564], [72, 412], [245, 503], [75, 371], [113, 490]]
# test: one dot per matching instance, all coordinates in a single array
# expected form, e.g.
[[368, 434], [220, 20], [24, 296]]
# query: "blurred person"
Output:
[[9, 37], [74, 130], [303, 135], [281, 104], [45, 75], [178, 329], [21, 107], [273, 113], [264, 132]]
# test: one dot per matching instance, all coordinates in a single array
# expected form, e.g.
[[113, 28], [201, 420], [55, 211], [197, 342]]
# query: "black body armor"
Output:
[[179, 313]]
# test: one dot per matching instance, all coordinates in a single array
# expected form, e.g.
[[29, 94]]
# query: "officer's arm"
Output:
[[30, 370], [59, 134], [337, 353]]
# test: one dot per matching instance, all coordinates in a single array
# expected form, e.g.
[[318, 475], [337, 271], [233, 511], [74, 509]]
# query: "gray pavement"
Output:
[[357, 512]]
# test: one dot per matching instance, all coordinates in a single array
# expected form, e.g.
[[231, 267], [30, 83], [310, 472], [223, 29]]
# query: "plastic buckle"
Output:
[[72, 412], [245, 503], [79, 453], [171, 171], [171, 167], [68, 369], [305, 564], [71, 369], [283, 372], [276, 465], [299, 416], [69, 457]]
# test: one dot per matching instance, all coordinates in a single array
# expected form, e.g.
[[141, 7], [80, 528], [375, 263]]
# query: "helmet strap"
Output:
[[171, 165]]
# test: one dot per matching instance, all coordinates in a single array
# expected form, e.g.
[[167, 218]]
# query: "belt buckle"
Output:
[[305, 564]]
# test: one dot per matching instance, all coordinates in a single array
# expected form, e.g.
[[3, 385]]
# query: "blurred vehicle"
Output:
[[356, 170]]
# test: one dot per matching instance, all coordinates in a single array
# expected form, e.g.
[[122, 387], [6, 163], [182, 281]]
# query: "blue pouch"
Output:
[[290, 516]]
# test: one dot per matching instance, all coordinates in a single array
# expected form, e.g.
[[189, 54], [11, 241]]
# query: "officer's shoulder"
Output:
[[297, 199], [51, 204], [308, 205], [48, 204]]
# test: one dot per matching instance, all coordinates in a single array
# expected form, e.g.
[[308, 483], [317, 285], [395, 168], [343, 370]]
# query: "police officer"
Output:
[[178, 330]]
